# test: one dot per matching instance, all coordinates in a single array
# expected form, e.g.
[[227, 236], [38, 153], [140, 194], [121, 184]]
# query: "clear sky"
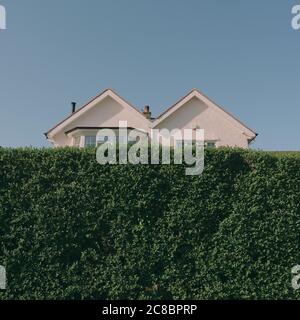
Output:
[[242, 54]]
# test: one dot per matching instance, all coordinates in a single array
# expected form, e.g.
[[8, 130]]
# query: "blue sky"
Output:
[[242, 54]]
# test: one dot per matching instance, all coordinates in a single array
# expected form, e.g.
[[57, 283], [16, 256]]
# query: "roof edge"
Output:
[[89, 102], [195, 90]]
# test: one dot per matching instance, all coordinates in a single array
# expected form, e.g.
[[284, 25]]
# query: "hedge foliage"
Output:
[[73, 229]]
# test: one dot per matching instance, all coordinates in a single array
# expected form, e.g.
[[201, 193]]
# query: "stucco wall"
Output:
[[106, 113], [216, 124]]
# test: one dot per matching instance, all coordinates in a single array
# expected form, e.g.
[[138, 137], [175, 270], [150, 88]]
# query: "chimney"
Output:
[[73, 107], [147, 112]]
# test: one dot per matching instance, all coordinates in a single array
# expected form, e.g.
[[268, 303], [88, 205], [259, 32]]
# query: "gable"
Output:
[[108, 113], [106, 110], [195, 109]]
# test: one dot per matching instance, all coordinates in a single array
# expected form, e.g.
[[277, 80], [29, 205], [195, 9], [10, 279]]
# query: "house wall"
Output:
[[217, 125], [106, 113]]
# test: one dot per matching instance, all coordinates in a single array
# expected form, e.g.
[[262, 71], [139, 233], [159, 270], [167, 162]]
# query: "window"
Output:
[[181, 143], [103, 139], [90, 141], [211, 144], [77, 142], [114, 140]]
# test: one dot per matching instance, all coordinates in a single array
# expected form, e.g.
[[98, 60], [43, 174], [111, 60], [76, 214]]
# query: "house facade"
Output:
[[194, 111]]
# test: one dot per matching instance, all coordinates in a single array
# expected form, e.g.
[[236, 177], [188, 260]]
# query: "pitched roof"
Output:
[[97, 99], [195, 93], [154, 122]]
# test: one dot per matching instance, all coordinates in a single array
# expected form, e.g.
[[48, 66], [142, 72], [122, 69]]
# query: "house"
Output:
[[194, 111]]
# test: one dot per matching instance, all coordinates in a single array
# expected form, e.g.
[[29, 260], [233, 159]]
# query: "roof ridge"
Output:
[[209, 99], [90, 101]]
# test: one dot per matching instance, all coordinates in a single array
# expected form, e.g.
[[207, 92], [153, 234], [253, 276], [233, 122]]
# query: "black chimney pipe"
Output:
[[73, 106]]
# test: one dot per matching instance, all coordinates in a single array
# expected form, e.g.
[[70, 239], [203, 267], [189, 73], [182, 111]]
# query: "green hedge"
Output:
[[73, 229]]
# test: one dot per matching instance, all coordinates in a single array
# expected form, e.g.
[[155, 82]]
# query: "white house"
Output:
[[194, 111]]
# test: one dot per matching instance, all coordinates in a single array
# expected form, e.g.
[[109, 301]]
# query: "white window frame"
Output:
[[88, 143], [75, 144]]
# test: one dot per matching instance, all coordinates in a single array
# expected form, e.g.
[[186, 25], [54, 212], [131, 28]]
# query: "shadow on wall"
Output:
[[103, 112], [185, 115]]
